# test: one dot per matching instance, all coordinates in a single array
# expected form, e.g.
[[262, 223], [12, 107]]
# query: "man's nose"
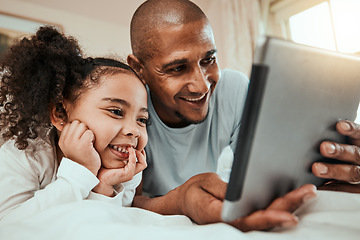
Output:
[[198, 81]]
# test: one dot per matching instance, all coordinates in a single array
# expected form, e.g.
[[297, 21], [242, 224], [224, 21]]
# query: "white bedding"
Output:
[[331, 215]]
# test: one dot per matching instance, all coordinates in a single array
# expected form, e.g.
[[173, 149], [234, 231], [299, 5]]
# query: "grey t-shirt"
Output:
[[176, 154]]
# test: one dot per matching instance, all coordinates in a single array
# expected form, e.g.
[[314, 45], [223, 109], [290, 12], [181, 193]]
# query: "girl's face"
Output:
[[115, 110]]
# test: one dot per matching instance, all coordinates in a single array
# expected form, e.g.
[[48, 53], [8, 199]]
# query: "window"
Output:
[[329, 24], [13, 27], [332, 24]]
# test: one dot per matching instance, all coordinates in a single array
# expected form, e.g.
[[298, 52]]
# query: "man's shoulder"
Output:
[[233, 80], [230, 76]]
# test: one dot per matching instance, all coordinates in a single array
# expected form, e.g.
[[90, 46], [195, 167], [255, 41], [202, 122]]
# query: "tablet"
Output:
[[296, 95]]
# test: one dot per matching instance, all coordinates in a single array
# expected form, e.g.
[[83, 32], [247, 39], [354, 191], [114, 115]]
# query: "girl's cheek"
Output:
[[143, 141]]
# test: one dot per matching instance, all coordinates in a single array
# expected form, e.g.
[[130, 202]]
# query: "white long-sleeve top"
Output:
[[31, 181]]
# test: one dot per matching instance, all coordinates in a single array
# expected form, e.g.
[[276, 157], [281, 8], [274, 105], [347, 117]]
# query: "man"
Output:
[[196, 111]]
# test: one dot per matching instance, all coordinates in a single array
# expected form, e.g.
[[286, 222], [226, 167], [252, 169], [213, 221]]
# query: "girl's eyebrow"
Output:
[[122, 102], [117, 100]]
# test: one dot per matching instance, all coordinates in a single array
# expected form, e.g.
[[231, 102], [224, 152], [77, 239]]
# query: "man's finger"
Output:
[[341, 186], [294, 199], [343, 172], [343, 152], [349, 128], [279, 213], [264, 220]]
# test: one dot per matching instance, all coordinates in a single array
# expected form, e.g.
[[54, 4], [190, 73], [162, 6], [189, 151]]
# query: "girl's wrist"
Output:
[[104, 189]]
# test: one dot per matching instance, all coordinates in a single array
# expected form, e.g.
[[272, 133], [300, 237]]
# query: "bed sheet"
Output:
[[332, 215]]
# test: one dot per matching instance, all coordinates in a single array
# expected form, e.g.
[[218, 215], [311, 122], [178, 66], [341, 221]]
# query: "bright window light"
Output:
[[334, 27], [346, 15], [313, 27]]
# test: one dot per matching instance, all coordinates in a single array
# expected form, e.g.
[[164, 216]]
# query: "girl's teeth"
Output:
[[119, 149]]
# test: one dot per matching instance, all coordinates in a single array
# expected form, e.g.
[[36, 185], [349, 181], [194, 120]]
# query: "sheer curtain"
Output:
[[236, 25]]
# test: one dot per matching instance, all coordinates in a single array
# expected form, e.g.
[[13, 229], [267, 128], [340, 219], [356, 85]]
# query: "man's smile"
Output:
[[195, 99]]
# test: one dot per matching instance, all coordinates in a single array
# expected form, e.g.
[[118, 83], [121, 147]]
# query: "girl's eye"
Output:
[[143, 121], [117, 112]]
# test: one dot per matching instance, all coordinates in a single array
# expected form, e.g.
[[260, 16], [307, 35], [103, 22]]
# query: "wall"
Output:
[[97, 37], [101, 29]]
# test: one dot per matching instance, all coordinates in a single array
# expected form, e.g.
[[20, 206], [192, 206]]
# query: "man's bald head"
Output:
[[153, 15]]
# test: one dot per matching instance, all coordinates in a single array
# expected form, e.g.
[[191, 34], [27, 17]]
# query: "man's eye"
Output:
[[208, 60], [117, 112], [178, 68]]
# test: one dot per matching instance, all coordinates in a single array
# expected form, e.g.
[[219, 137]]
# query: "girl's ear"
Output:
[[56, 119], [135, 64]]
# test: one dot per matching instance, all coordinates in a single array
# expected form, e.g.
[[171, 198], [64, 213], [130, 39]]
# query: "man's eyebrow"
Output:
[[175, 62], [183, 61], [123, 102], [211, 52]]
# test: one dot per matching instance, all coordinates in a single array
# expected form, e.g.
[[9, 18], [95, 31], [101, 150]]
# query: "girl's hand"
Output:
[[76, 143], [110, 177]]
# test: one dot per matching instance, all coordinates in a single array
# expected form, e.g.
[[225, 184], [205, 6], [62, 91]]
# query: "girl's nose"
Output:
[[131, 130]]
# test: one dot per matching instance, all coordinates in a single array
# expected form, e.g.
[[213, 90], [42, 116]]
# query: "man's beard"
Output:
[[185, 121]]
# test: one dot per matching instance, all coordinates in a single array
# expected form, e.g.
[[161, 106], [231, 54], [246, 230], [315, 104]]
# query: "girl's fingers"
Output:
[[132, 157], [74, 132], [88, 137], [129, 169], [63, 135], [78, 129], [141, 164], [137, 163], [68, 132], [65, 130]]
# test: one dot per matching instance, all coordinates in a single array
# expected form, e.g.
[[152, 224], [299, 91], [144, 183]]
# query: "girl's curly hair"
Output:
[[38, 73]]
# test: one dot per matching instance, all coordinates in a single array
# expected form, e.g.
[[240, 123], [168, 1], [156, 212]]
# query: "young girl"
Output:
[[75, 127]]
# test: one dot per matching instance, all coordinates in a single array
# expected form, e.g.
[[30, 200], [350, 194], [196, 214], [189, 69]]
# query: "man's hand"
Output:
[[347, 175], [279, 213], [77, 143], [201, 199]]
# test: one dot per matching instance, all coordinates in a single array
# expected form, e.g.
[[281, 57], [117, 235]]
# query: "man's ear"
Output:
[[56, 119], [135, 64]]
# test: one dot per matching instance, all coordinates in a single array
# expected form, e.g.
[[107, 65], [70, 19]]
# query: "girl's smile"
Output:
[[115, 110]]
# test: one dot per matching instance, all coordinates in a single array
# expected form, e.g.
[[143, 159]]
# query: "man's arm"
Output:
[[165, 205], [348, 175], [201, 199]]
